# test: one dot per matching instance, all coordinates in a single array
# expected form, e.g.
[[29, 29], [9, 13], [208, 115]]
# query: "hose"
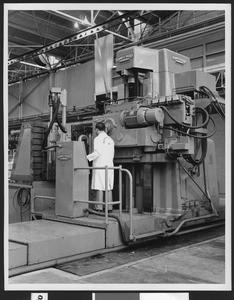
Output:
[[54, 118], [180, 216], [199, 143], [122, 231], [189, 126], [204, 89], [194, 136], [205, 194], [174, 232], [212, 215], [22, 201], [215, 102], [197, 162]]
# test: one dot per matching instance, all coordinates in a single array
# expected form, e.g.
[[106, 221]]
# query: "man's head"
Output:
[[100, 126]]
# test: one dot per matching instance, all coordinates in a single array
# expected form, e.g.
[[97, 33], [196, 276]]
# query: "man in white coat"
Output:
[[102, 156]]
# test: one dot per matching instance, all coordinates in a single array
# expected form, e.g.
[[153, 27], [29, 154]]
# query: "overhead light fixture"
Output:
[[76, 25], [33, 65], [86, 21]]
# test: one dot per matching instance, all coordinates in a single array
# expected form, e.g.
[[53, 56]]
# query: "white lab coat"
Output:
[[102, 156]]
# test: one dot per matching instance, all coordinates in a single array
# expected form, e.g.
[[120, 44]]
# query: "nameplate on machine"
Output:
[[124, 58], [179, 60], [64, 157]]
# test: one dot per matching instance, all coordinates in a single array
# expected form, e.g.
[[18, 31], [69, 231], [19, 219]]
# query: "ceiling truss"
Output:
[[42, 39]]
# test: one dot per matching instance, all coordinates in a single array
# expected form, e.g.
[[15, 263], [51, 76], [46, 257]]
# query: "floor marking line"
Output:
[[144, 259]]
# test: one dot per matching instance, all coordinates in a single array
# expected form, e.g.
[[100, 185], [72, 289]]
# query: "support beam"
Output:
[[91, 24], [28, 30], [127, 24], [118, 35], [73, 18], [74, 37], [57, 44], [95, 16]]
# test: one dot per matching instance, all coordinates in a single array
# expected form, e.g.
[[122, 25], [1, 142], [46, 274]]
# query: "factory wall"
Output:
[[77, 80], [204, 46]]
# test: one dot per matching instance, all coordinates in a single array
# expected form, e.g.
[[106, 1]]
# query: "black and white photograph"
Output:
[[118, 135]]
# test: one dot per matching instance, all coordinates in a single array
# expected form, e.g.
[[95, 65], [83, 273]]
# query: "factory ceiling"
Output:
[[42, 41]]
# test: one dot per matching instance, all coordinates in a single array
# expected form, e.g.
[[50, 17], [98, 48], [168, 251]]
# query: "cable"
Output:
[[180, 216], [54, 118], [194, 136], [195, 161], [22, 197], [122, 231], [212, 95], [188, 126], [204, 193], [214, 102], [199, 144]]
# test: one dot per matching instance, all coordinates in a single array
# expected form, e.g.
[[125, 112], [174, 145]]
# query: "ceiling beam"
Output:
[[128, 26], [70, 17], [65, 41], [12, 45], [31, 31], [85, 23], [94, 16], [50, 21], [32, 65]]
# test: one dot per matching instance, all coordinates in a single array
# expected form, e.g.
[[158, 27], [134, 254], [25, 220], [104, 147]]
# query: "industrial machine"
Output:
[[159, 114]]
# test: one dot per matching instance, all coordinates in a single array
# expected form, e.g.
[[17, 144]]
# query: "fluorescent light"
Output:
[[33, 65], [85, 22]]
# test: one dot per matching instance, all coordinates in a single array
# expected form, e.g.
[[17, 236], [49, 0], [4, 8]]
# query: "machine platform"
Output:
[[43, 240], [51, 239]]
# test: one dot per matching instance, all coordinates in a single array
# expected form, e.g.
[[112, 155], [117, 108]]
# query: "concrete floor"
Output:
[[202, 263]]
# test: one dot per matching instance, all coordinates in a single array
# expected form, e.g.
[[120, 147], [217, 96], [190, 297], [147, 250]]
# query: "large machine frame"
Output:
[[158, 113]]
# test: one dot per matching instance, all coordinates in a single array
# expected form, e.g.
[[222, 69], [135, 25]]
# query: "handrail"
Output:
[[106, 203], [106, 168]]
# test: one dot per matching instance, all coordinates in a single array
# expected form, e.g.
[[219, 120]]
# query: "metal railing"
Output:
[[106, 203]]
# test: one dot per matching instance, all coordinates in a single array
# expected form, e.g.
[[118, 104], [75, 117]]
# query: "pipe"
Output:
[[211, 204], [63, 99], [168, 234], [120, 191], [131, 236], [106, 194], [206, 188]]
